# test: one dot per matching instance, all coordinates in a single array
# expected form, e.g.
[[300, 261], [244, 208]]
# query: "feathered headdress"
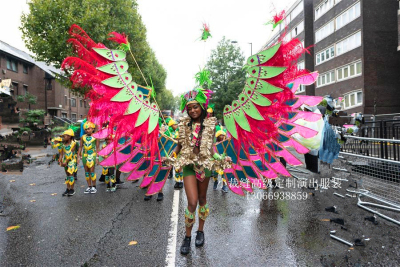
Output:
[[219, 130], [199, 94]]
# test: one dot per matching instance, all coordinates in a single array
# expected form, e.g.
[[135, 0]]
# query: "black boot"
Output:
[[160, 197], [199, 242], [176, 186], [185, 248]]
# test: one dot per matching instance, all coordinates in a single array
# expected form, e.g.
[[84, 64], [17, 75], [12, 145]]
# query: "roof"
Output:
[[8, 49], [16, 52]]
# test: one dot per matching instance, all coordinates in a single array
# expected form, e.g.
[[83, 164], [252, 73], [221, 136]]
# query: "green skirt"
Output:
[[188, 170]]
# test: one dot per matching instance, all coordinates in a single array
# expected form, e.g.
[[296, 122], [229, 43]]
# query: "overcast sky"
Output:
[[174, 26]]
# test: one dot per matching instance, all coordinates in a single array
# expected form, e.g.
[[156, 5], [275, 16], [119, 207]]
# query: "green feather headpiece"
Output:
[[199, 94]]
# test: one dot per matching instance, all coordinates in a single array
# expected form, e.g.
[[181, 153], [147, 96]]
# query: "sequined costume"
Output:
[[70, 156], [89, 151]]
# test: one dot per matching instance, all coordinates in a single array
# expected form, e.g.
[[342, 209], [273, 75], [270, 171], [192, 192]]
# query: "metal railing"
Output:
[[385, 126], [388, 149], [380, 177]]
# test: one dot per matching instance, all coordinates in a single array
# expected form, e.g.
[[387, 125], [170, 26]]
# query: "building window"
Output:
[[25, 69], [326, 78], [25, 89], [301, 65], [14, 88], [353, 99], [73, 117], [12, 65], [296, 11], [73, 102], [64, 115], [49, 85], [80, 103], [348, 16], [65, 100], [302, 88], [298, 29], [323, 8], [348, 43], [349, 71], [325, 31], [325, 55]]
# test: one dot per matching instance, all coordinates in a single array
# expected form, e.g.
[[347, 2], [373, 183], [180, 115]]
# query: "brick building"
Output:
[[37, 78], [355, 51]]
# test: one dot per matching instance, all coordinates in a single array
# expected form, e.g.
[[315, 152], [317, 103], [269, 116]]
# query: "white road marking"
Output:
[[171, 249]]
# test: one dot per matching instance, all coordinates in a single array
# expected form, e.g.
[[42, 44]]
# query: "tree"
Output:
[[166, 100], [27, 98], [225, 66], [45, 32]]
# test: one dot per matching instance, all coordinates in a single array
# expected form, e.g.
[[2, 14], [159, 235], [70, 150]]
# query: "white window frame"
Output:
[[347, 12], [349, 46], [318, 12], [356, 102], [322, 29], [72, 118], [323, 53], [294, 34], [301, 65], [324, 77], [341, 69], [300, 9]]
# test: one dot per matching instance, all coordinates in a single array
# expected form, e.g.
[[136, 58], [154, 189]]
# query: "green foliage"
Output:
[[27, 98], [32, 117], [23, 129], [45, 32], [166, 100], [228, 76], [59, 129], [21, 98], [36, 113]]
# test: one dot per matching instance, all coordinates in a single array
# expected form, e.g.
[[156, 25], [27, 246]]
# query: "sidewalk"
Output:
[[6, 128], [37, 152]]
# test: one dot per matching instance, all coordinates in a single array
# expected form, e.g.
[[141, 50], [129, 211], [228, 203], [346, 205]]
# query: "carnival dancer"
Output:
[[68, 160], [194, 156], [260, 122], [89, 145], [56, 146]]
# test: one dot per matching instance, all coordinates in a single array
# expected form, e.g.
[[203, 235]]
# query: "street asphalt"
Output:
[[98, 229]]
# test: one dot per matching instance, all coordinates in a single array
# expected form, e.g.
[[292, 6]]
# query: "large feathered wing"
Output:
[[119, 107], [262, 120]]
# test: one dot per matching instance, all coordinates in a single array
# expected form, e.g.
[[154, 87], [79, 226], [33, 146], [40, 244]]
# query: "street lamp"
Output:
[[251, 46]]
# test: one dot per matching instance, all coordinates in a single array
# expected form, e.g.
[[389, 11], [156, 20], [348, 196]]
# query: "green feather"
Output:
[[239, 116], [230, 121], [203, 77]]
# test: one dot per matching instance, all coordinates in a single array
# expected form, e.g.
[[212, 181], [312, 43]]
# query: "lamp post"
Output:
[[251, 46]]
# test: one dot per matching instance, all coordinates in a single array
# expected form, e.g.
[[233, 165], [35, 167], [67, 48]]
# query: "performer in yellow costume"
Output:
[[88, 151], [220, 135], [68, 160], [173, 131]]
